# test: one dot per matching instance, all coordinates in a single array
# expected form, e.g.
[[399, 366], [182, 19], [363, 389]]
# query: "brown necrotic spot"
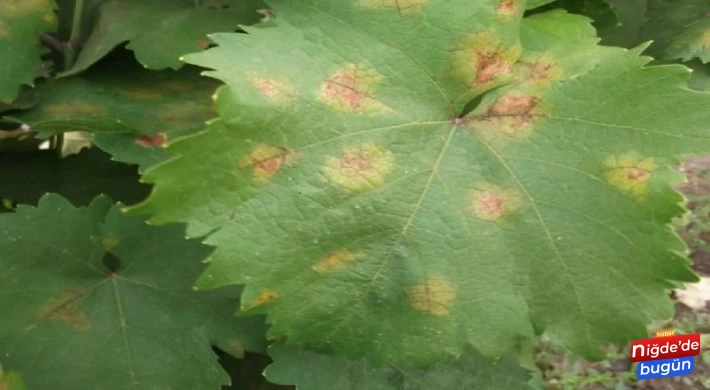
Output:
[[351, 88], [541, 70], [629, 172], [335, 261], [491, 203], [403, 7], [151, 141], [482, 58], [434, 296], [359, 168], [204, 45], [265, 161], [66, 309], [510, 115], [265, 297], [507, 9]]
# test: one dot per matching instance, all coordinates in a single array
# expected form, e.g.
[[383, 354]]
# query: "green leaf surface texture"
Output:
[[313, 371], [363, 211], [21, 23], [160, 31], [94, 299]]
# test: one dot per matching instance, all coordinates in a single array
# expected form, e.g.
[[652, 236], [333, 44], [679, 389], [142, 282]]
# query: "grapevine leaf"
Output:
[[362, 213], [314, 371], [627, 33], [25, 177], [678, 28], [132, 112], [110, 297], [694, 42], [182, 27], [21, 23]]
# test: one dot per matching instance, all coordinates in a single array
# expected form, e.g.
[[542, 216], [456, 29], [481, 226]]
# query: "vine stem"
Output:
[[71, 45], [69, 57]]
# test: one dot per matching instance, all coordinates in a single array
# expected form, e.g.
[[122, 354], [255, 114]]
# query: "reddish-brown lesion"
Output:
[[355, 162], [507, 7], [637, 174], [269, 165], [490, 207], [489, 66], [151, 141], [343, 87]]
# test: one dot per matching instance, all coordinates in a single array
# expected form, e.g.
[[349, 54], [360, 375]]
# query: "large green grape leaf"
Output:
[[132, 112], [314, 371], [21, 23], [160, 31], [361, 211], [110, 298]]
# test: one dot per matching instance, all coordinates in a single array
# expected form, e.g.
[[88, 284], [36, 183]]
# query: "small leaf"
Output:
[[182, 28], [21, 23], [124, 106], [315, 371], [111, 297]]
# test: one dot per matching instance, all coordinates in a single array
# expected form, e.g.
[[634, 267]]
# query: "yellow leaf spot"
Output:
[[74, 107], [265, 297], [4, 30], [335, 261], [629, 172], [705, 39], [140, 93], [110, 241], [66, 309], [480, 60], [491, 203], [360, 168], [434, 296], [275, 90], [351, 89], [403, 7], [265, 160]]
